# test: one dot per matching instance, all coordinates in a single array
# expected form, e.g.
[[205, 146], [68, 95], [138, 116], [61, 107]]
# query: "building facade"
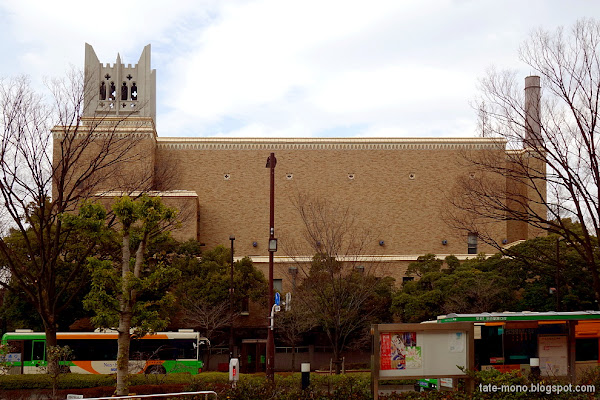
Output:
[[397, 188]]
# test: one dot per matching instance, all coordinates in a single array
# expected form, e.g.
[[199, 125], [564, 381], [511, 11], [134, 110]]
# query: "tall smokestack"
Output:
[[533, 134]]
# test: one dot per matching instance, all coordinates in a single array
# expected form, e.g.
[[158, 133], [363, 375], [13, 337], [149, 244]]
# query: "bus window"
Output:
[[27, 350], [38, 351], [164, 349], [92, 349]]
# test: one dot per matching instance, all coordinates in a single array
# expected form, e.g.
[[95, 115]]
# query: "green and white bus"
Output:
[[96, 352]]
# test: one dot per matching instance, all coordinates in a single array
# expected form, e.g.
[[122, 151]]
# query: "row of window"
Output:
[[112, 91], [106, 349]]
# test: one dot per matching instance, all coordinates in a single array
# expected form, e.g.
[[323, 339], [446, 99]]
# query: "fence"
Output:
[[206, 393]]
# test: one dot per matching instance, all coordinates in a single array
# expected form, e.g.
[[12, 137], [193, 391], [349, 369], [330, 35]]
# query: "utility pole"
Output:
[[271, 162], [232, 238]]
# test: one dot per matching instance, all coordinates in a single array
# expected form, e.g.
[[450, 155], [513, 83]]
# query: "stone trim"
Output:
[[363, 258], [105, 126], [153, 193], [330, 143], [137, 133]]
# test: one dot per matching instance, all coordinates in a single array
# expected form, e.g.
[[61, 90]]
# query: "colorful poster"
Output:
[[413, 357], [400, 351], [385, 355]]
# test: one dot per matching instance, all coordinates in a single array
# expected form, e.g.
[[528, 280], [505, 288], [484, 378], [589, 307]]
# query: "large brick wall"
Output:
[[397, 188], [399, 193]]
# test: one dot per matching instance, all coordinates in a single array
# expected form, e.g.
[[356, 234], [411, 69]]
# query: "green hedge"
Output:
[[82, 381], [352, 386]]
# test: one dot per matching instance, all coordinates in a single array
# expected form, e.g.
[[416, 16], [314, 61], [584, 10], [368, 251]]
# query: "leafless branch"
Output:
[[511, 185], [336, 280]]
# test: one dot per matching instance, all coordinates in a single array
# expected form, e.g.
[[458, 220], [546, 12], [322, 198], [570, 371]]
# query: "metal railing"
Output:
[[206, 393]]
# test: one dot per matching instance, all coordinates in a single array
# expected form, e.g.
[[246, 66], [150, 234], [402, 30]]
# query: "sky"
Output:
[[282, 68]]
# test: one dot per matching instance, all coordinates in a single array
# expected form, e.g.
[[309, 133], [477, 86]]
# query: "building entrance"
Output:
[[254, 356]]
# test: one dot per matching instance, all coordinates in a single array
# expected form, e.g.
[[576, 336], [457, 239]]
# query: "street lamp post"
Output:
[[271, 162], [232, 238], [557, 277]]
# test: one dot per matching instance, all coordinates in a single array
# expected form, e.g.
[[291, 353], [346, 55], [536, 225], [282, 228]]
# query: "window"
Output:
[[124, 91], [102, 91], [163, 349], [277, 285], [92, 349], [245, 306], [39, 350], [586, 349], [472, 243], [407, 279]]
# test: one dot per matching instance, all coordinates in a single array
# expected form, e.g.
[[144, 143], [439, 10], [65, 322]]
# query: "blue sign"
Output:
[[277, 298]]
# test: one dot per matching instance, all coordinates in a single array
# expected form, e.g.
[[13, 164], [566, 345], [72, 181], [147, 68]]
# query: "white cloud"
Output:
[[289, 68], [55, 31]]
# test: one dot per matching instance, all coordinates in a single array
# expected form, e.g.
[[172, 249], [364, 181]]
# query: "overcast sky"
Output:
[[279, 68]]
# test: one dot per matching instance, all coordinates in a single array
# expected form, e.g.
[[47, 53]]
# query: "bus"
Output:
[[96, 352], [561, 342]]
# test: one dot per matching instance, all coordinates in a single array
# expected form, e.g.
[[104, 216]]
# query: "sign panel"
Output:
[[446, 382], [417, 351], [423, 352], [12, 357], [552, 350], [288, 301], [277, 298]]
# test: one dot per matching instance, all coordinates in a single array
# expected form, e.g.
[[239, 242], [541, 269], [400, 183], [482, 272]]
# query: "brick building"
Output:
[[397, 187]]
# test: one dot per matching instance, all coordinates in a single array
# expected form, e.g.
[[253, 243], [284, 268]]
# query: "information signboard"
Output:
[[416, 351]]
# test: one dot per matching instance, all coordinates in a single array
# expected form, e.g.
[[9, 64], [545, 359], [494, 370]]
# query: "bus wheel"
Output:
[[156, 369]]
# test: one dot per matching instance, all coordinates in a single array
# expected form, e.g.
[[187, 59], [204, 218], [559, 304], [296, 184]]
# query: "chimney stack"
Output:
[[533, 134]]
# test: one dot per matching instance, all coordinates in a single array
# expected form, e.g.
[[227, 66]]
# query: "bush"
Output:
[[44, 381], [82, 381], [353, 386], [288, 387]]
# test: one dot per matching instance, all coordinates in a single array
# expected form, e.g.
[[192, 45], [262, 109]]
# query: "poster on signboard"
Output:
[[399, 350], [456, 342], [552, 350]]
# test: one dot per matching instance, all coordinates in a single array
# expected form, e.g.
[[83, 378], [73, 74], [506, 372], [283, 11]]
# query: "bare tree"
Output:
[[51, 160], [552, 141], [337, 273], [209, 318], [292, 325]]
